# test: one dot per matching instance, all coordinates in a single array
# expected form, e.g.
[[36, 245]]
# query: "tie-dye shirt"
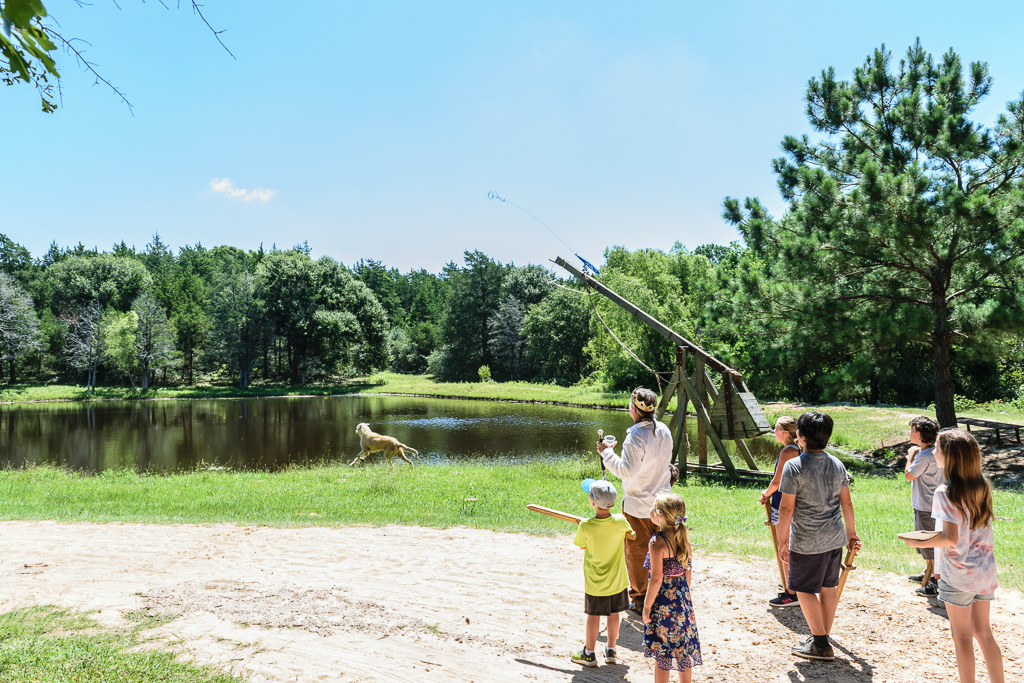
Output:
[[970, 565]]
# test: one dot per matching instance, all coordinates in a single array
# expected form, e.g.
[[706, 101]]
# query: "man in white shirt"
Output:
[[644, 470]]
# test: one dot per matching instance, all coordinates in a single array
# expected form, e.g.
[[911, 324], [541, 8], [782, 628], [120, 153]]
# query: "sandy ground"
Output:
[[415, 604]]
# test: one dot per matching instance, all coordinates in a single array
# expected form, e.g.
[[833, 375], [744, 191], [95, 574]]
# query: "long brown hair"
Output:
[[968, 489], [673, 511]]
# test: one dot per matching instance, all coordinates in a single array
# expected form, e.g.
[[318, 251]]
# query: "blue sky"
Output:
[[376, 129]]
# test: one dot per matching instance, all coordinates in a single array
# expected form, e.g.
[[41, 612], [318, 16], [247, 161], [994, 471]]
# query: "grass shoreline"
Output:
[[724, 517], [384, 383]]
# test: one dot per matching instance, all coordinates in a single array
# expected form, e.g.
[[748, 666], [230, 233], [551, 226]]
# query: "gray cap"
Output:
[[601, 491]]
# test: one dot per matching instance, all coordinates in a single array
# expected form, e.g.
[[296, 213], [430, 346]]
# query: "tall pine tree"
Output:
[[905, 221]]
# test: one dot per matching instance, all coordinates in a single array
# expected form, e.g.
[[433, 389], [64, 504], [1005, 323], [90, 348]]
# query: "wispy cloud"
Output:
[[258, 194]]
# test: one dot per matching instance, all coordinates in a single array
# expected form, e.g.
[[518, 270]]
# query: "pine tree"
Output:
[[905, 221]]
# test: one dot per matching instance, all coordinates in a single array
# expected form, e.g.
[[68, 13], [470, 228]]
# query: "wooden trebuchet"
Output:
[[732, 413], [558, 514]]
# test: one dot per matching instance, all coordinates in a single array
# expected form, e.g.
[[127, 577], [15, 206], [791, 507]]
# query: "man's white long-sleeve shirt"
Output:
[[643, 467]]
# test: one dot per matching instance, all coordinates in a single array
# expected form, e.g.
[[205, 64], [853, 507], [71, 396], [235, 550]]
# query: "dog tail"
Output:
[[410, 448]]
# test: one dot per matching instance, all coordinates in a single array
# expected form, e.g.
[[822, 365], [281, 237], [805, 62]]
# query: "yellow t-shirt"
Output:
[[604, 561]]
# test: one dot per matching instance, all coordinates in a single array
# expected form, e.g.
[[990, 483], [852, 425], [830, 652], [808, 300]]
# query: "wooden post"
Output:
[[679, 435], [702, 416], [727, 392], [699, 385], [666, 397]]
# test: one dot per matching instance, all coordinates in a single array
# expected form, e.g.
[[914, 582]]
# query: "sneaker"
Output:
[[929, 590], [807, 649], [785, 600], [610, 656], [586, 659], [916, 578]]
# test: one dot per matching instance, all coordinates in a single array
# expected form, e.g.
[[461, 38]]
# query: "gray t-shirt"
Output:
[[816, 479], [929, 477]]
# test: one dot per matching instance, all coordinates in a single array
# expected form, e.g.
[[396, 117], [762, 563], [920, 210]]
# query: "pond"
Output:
[[271, 433]]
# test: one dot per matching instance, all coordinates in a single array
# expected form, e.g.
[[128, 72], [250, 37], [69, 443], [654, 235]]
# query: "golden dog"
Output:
[[371, 442]]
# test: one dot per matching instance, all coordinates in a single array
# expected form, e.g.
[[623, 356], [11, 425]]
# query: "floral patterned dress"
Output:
[[671, 637]]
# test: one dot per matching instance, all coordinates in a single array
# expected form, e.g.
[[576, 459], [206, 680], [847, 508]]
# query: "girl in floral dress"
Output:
[[670, 631]]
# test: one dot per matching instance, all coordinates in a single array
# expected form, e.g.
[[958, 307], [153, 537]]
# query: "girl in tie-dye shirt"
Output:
[[967, 561]]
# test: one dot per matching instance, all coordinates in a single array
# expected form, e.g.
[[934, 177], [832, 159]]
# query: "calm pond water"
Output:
[[271, 433]]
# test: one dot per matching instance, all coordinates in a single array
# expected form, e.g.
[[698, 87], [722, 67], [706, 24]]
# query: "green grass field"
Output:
[[385, 382], [723, 518]]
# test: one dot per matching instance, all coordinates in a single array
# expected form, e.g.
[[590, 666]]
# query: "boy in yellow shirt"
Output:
[[604, 569]]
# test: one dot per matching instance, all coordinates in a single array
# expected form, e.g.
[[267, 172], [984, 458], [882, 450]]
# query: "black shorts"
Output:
[[811, 573], [603, 605]]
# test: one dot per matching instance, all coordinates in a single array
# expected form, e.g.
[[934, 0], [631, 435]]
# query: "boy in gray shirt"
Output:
[[815, 503], [924, 475]]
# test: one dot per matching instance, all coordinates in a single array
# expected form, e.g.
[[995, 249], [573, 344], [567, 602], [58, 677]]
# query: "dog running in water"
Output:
[[371, 442]]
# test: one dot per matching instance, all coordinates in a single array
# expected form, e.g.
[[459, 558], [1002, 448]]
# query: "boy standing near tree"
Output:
[[815, 503], [924, 475]]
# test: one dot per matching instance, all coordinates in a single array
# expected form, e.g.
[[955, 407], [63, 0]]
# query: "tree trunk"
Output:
[[942, 361], [266, 359], [145, 377], [14, 369], [945, 411]]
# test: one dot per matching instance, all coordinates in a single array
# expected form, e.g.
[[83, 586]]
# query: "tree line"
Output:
[[894, 275]]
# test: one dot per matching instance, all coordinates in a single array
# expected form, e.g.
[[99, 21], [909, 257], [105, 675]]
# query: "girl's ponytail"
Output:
[[682, 541]]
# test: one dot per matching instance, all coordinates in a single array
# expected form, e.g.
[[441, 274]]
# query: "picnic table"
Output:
[[990, 424]]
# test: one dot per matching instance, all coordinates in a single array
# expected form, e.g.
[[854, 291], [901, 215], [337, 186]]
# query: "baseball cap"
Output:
[[601, 491]]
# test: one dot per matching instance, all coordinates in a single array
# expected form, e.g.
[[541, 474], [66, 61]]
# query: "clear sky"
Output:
[[376, 129]]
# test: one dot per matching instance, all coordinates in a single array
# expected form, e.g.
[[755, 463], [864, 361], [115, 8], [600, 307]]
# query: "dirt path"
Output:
[[408, 603]]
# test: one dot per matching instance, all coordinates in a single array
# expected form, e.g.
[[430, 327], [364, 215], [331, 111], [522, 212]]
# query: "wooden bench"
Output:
[[990, 424]]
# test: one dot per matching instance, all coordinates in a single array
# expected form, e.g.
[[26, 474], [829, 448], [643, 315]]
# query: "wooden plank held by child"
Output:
[[851, 553], [775, 544], [557, 514]]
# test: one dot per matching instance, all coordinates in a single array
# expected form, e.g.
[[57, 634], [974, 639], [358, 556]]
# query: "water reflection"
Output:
[[271, 433]]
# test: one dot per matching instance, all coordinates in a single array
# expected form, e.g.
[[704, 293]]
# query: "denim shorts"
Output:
[[960, 598]]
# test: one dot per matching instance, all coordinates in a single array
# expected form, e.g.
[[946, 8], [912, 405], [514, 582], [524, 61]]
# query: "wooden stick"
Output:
[[929, 569], [558, 514], [775, 545], [851, 552]]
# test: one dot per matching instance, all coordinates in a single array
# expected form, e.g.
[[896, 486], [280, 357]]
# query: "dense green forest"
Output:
[[895, 275], [195, 314]]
